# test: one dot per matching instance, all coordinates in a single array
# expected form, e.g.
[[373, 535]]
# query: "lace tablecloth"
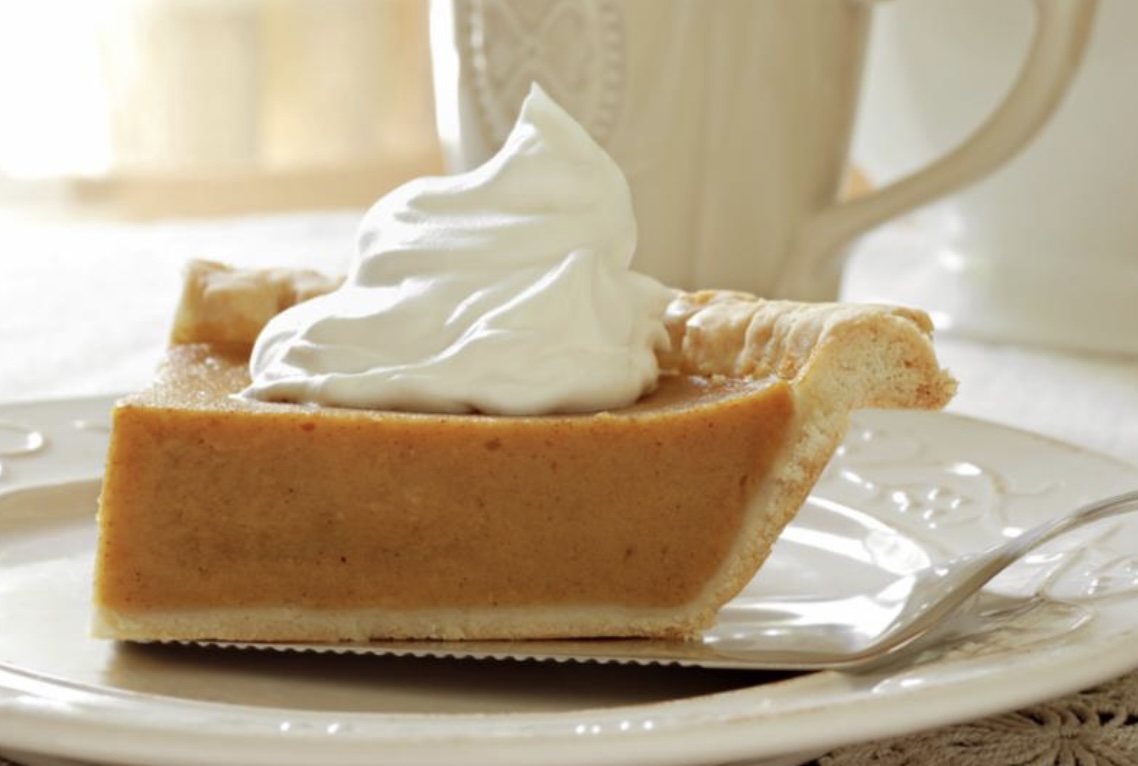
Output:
[[84, 309]]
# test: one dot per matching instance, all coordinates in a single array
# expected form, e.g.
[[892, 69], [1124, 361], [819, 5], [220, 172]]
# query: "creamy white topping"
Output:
[[503, 290]]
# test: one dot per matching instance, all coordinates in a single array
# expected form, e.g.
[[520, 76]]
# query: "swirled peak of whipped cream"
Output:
[[504, 290]]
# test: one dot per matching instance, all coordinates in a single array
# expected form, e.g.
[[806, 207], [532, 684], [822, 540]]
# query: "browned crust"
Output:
[[883, 356], [220, 304], [713, 332]]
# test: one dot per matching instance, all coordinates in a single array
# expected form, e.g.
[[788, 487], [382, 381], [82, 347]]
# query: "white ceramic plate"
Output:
[[906, 489]]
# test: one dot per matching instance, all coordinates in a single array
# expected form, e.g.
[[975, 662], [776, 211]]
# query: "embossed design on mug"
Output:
[[17, 440], [574, 48]]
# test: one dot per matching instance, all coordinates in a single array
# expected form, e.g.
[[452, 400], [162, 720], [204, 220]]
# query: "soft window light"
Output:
[[53, 95]]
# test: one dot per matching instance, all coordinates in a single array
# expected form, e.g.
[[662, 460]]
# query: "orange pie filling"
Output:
[[223, 503]]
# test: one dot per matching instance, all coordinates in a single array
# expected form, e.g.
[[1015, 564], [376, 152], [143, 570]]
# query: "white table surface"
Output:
[[85, 309]]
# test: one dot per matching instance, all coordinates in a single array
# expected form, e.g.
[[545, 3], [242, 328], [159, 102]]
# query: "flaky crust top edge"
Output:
[[880, 356]]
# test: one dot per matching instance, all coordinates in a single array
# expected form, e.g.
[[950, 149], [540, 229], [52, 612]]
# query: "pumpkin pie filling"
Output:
[[223, 503]]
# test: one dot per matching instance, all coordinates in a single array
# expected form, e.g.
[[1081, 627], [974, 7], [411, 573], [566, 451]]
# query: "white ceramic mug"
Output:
[[731, 119], [1044, 251]]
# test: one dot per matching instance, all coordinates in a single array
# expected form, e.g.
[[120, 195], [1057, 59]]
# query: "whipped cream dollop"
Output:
[[503, 290]]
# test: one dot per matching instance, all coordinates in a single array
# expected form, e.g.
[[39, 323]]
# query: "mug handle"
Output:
[[813, 271]]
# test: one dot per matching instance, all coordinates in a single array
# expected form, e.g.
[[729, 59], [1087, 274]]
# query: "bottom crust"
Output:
[[298, 625]]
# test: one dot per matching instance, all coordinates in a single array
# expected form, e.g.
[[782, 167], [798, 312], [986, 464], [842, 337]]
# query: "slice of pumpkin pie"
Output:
[[491, 428], [228, 517]]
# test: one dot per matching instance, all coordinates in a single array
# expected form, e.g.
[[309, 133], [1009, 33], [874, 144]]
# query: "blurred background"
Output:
[[145, 109]]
